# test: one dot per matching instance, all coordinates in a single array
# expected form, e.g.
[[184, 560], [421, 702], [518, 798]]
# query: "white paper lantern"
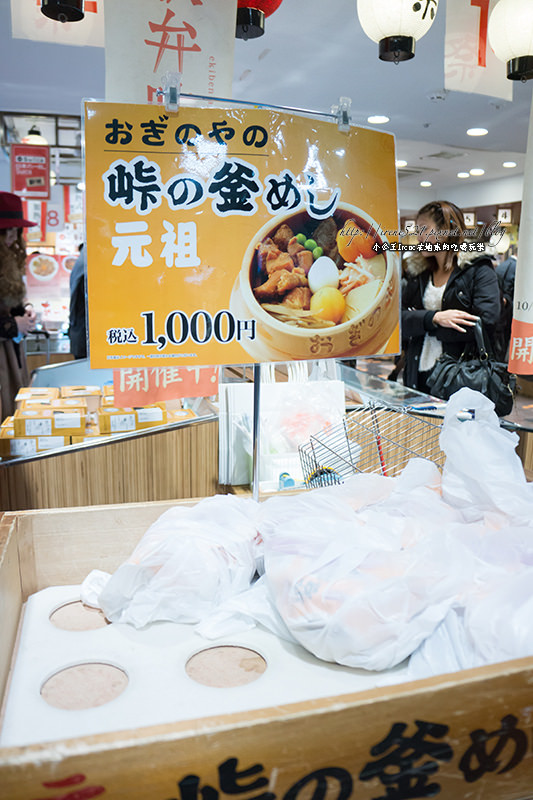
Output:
[[396, 24], [511, 36], [501, 243]]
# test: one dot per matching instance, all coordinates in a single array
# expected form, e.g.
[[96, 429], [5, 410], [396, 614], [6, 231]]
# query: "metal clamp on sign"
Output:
[[343, 113], [170, 90]]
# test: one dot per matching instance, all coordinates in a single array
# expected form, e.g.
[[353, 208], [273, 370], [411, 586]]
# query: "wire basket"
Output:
[[372, 438]]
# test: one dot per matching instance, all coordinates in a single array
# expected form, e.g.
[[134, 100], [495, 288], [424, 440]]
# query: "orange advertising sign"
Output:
[[138, 387], [231, 235]]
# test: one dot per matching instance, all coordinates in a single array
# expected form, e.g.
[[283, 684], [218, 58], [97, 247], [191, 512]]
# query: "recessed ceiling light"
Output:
[[477, 171], [425, 183], [463, 174], [509, 164], [401, 163], [477, 131], [377, 119]]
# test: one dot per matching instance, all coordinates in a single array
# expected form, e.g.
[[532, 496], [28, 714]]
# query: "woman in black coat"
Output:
[[444, 290]]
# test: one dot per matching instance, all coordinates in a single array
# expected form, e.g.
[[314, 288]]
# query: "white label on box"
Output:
[[82, 390], [67, 419], [150, 414], [122, 422], [50, 442], [23, 447], [42, 426]]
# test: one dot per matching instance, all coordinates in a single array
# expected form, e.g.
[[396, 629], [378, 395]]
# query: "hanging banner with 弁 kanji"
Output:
[[231, 236], [144, 39], [469, 62]]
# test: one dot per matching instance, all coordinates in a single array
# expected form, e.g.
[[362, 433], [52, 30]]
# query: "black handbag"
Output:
[[480, 373]]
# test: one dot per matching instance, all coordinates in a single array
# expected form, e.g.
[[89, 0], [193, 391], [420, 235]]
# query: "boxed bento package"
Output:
[[92, 395], [122, 420], [48, 422], [56, 404], [116, 420], [179, 414], [151, 416], [35, 393], [12, 446]]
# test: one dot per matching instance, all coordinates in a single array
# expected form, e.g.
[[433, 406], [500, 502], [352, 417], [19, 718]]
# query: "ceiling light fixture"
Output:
[[463, 174], [477, 171], [378, 119], [509, 164], [396, 25], [251, 17], [477, 131], [34, 136], [510, 33], [425, 183], [401, 163], [63, 10]]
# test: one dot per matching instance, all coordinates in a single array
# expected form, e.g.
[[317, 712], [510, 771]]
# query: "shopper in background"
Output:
[[17, 317], [78, 315], [505, 273], [443, 292]]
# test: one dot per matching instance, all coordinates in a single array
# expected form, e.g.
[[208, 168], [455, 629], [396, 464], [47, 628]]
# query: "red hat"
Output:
[[11, 212]]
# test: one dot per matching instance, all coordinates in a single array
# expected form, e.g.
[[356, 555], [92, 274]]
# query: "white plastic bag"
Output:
[[190, 560], [482, 474], [364, 582]]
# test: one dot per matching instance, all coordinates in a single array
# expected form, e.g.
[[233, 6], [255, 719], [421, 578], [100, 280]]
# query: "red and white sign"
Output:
[[469, 62], [147, 38], [140, 387], [30, 170], [35, 211], [28, 22]]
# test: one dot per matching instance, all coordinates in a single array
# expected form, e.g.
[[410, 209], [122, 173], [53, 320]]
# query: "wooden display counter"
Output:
[[457, 736], [167, 463]]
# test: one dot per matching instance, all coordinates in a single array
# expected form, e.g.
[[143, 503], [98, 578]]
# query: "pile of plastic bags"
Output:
[[434, 567]]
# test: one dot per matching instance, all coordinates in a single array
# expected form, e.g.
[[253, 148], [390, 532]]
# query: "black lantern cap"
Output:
[[520, 69], [63, 10], [250, 23], [397, 48]]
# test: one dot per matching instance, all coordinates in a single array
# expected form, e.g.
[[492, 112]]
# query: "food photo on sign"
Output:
[[237, 235], [47, 281]]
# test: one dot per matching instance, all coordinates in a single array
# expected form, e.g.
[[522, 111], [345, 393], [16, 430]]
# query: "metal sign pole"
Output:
[[256, 432]]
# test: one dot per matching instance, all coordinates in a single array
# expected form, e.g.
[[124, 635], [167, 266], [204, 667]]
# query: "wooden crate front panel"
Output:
[[465, 736]]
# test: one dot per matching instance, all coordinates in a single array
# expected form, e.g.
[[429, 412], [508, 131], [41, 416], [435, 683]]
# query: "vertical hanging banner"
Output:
[[521, 341], [30, 170], [28, 22], [223, 236], [147, 38], [469, 62]]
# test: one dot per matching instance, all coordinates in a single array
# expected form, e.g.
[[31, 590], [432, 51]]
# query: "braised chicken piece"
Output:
[[279, 283], [298, 298], [294, 246], [271, 258], [282, 237], [304, 260]]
